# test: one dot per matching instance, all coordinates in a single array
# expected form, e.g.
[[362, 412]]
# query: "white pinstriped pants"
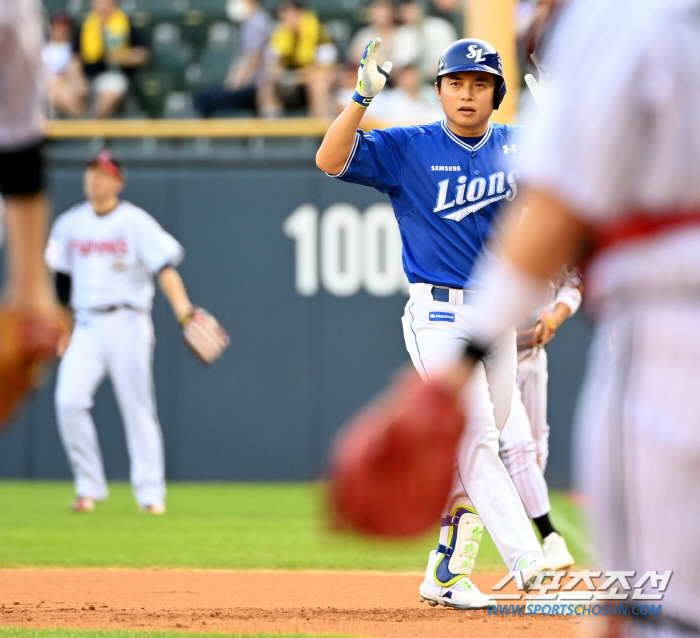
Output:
[[638, 433], [481, 478], [119, 344], [524, 441]]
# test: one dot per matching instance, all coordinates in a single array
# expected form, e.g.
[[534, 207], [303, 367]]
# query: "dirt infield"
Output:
[[381, 605]]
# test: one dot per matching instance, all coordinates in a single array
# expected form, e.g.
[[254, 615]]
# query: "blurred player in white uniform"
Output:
[[612, 163], [28, 295], [106, 253], [524, 441]]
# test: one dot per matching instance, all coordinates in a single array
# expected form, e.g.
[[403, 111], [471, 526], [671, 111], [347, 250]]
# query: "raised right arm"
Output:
[[340, 138]]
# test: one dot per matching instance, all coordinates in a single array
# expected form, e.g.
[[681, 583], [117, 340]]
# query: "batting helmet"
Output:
[[471, 54]]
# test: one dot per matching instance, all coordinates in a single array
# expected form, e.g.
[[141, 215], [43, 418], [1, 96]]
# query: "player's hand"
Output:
[[527, 340], [63, 343], [539, 335], [545, 329], [66, 332], [370, 77], [535, 85]]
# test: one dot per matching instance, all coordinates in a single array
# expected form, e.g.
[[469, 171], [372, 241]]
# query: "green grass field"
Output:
[[214, 526]]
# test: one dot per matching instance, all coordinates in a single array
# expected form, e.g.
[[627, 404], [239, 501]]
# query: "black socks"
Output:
[[544, 525]]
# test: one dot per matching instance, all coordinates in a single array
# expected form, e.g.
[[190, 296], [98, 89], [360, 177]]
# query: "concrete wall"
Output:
[[302, 270]]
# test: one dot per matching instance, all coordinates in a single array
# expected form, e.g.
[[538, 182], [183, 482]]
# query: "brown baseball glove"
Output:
[[27, 346], [205, 336], [392, 466]]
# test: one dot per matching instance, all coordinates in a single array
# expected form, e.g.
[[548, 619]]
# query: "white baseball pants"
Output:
[[481, 478], [525, 438], [119, 344], [638, 432]]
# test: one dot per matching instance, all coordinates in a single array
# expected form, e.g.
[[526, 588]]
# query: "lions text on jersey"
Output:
[[445, 192]]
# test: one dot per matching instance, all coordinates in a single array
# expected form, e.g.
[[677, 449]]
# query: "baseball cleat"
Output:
[[531, 565], [462, 595], [556, 552], [154, 508], [83, 504]]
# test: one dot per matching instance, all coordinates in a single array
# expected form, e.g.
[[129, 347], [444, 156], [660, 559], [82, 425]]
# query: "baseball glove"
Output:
[[27, 345], [392, 467], [205, 336]]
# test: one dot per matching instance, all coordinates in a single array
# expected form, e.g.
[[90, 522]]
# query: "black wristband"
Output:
[[475, 351]]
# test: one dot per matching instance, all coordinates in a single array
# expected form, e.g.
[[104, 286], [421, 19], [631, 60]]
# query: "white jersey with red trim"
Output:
[[111, 258], [634, 107], [619, 140], [635, 148]]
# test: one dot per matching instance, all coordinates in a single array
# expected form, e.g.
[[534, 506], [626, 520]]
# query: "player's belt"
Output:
[[455, 296], [102, 310]]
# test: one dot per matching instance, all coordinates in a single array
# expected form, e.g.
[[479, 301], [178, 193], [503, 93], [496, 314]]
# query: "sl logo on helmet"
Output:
[[477, 53]]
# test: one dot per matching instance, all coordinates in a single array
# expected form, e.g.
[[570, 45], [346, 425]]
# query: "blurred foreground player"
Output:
[[524, 441], [106, 253], [29, 324], [612, 165], [447, 182], [613, 160]]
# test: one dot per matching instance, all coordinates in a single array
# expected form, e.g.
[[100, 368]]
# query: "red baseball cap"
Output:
[[108, 162]]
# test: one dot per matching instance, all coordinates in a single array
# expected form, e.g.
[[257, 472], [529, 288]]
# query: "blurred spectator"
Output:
[[411, 101], [109, 49], [452, 11], [433, 34], [238, 91], [299, 64], [66, 89], [346, 84], [399, 44]]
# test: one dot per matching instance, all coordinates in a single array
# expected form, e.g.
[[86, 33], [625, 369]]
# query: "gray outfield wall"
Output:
[[303, 271]]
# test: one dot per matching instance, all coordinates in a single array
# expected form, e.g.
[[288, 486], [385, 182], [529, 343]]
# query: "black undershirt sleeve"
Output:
[[63, 288]]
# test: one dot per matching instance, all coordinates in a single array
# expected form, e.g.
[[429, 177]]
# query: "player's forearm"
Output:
[[28, 282], [560, 314], [532, 253], [339, 140], [549, 236], [174, 290]]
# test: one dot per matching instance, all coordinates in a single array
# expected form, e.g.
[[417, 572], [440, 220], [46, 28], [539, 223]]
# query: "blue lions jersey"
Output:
[[445, 192]]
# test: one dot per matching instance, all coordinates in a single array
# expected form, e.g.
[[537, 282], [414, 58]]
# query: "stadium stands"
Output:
[[192, 45]]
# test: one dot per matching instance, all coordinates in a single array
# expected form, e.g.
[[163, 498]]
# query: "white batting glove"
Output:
[[532, 83], [370, 77], [534, 87]]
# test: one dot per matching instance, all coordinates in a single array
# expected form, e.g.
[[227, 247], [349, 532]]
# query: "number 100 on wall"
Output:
[[345, 250]]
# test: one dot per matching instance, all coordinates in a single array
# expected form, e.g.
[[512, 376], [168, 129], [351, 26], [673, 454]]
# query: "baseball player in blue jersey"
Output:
[[447, 182]]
